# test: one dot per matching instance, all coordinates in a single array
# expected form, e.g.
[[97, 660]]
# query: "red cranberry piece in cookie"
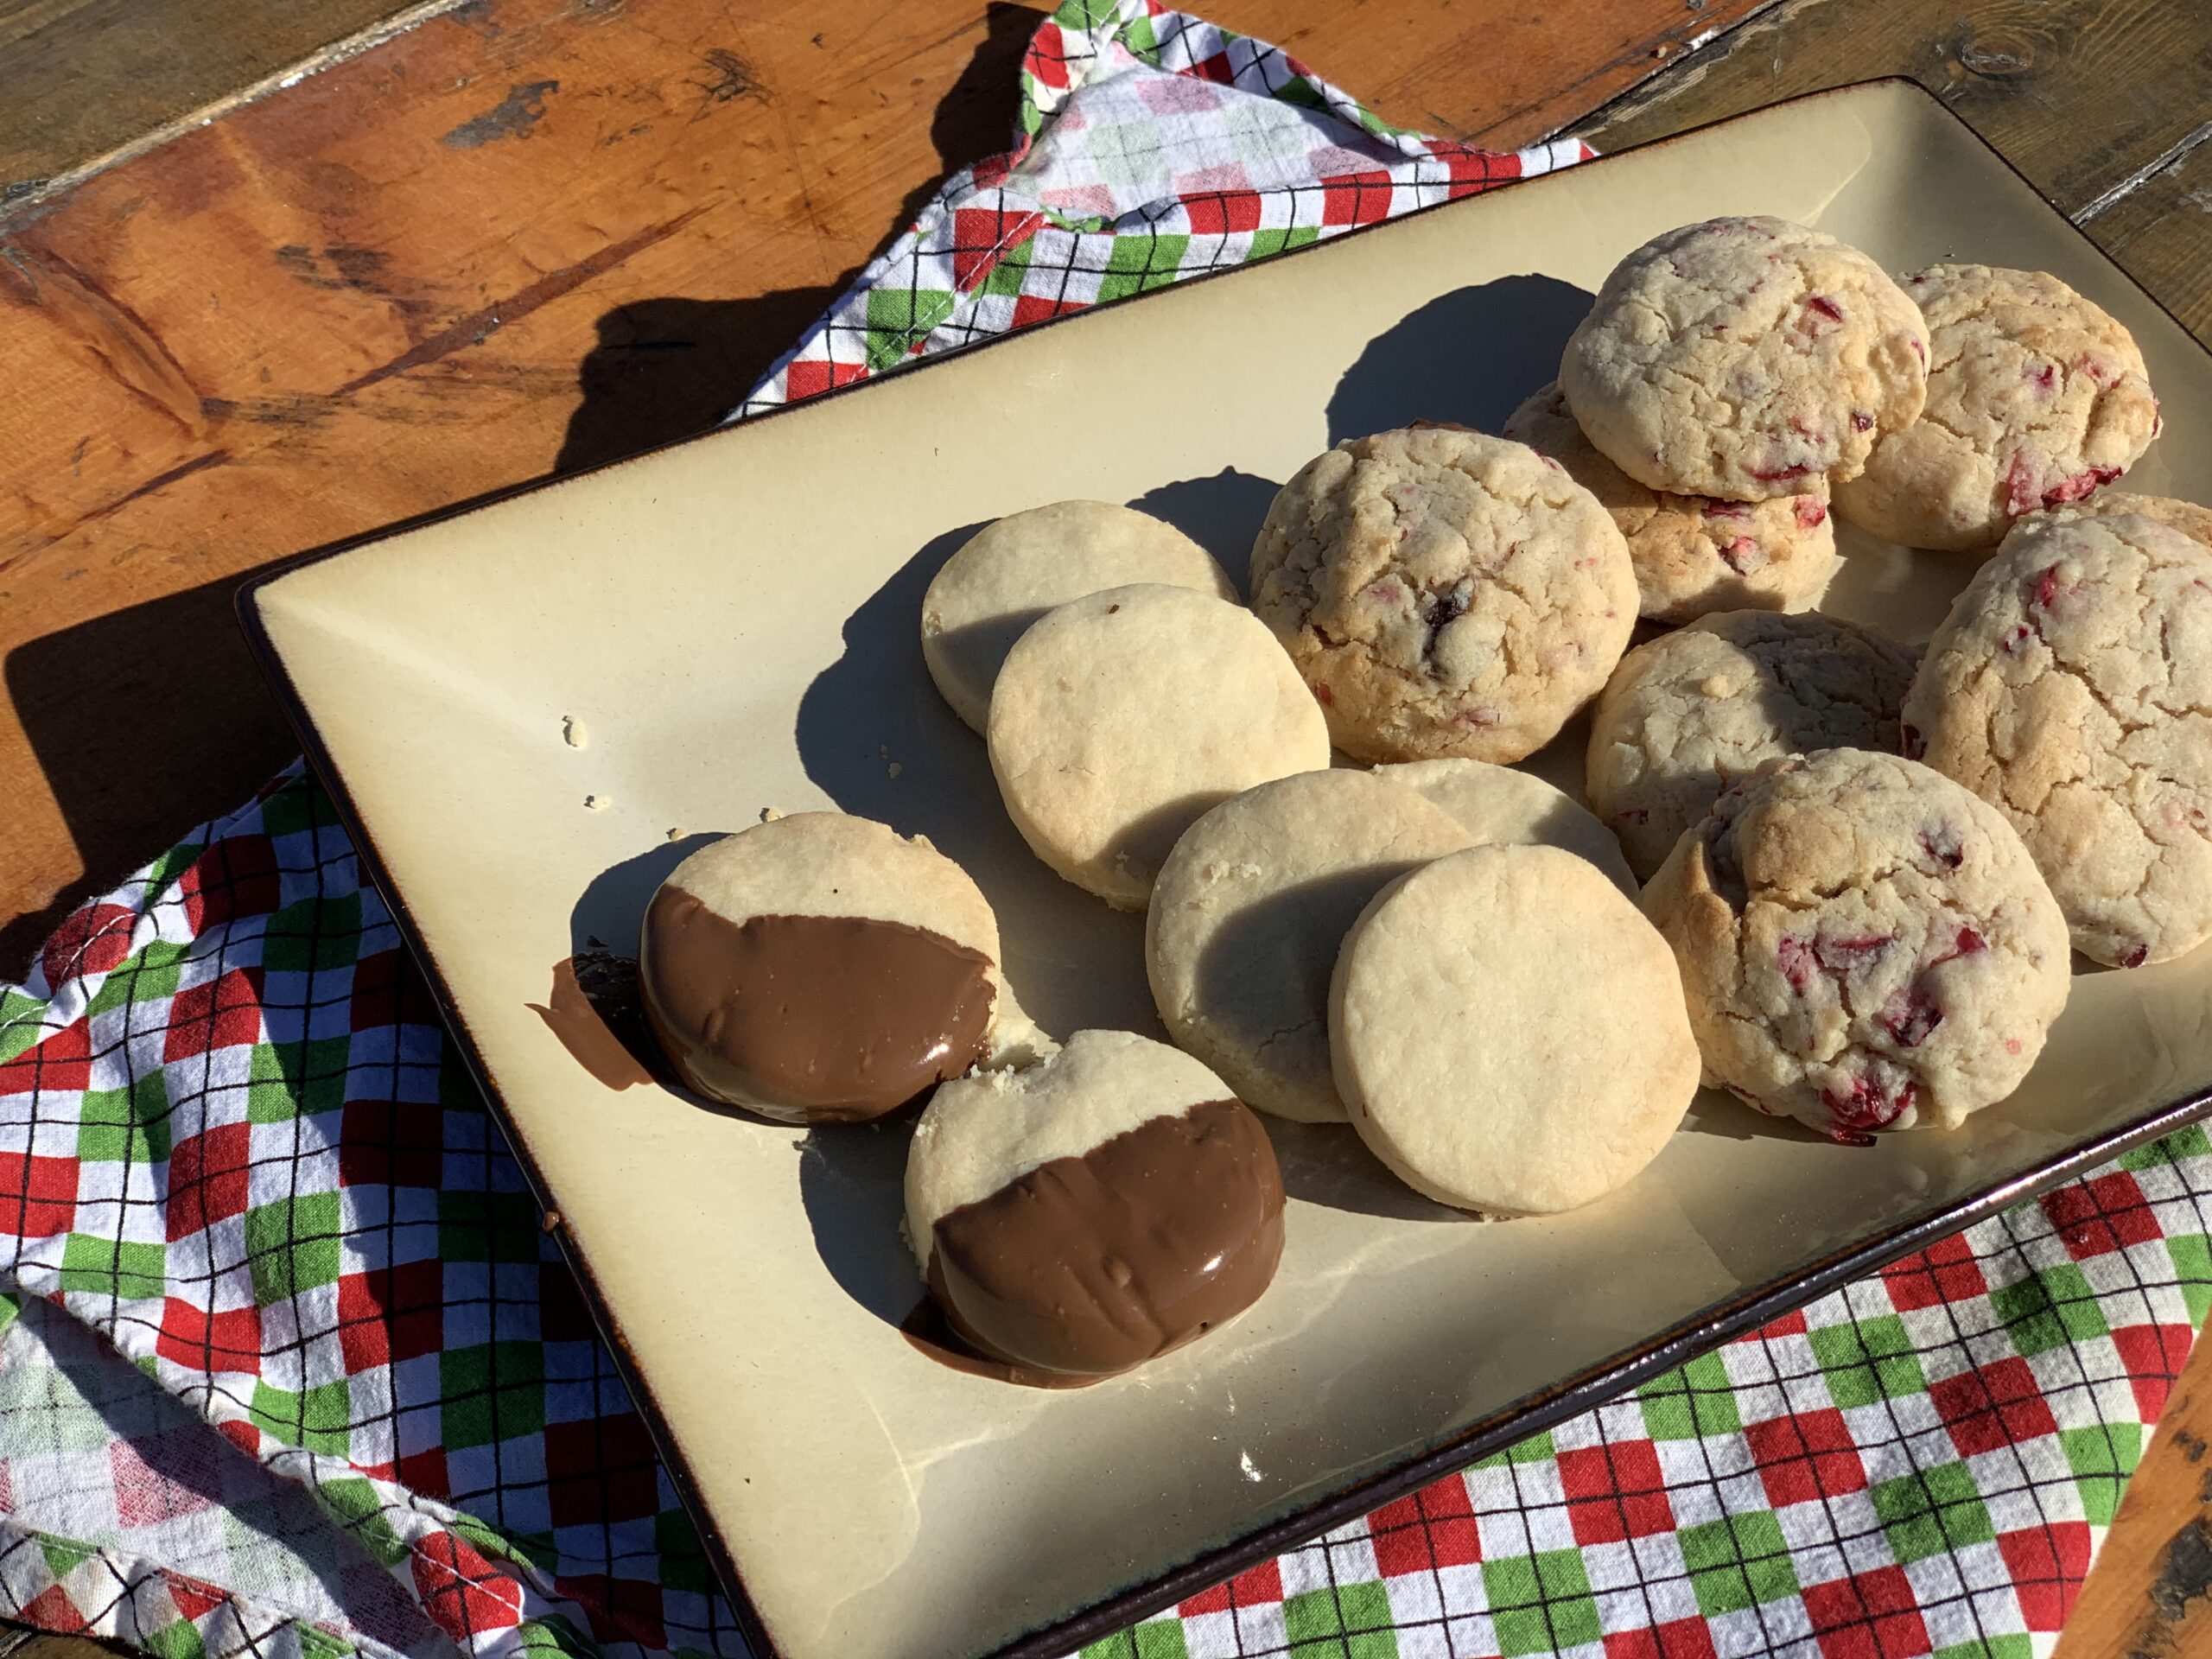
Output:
[[1865, 1106], [1812, 512]]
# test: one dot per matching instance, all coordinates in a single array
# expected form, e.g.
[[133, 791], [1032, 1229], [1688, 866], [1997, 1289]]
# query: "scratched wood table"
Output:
[[275, 274]]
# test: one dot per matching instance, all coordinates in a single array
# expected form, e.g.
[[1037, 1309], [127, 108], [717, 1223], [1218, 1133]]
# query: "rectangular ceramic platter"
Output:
[[734, 622]]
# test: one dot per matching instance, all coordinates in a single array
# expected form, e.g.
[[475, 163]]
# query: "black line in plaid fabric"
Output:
[[1620, 1511], [1703, 1442]]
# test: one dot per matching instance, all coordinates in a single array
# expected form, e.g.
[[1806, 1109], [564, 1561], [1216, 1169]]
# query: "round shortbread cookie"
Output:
[[1865, 944], [2071, 687], [822, 969], [1247, 914], [1499, 806], [1742, 357], [1122, 715], [1091, 1211], [1695, 553], [1010, 573], [1443, 592], [2187, 516], [1690, 712], [1509, 1032], [2036, 396]]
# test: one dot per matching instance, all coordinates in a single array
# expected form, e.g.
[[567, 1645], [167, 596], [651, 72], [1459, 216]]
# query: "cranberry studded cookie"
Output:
[[1687, 714], [2071, 687], [2036, 396], [1743, 357], [1443, 592], [2187, 516], [1865, 944], [1695, 553]]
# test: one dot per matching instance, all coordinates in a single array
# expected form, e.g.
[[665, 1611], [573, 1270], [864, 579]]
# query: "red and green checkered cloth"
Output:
[[288, 1366]]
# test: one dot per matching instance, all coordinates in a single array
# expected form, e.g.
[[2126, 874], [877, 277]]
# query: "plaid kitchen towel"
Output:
[[288, 1365]]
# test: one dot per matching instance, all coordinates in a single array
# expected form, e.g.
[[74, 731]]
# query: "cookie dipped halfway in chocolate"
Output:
[[822, 969], [1089, 1212]]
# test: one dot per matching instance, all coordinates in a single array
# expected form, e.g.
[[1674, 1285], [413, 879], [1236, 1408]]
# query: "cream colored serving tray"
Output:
[[734, 621]]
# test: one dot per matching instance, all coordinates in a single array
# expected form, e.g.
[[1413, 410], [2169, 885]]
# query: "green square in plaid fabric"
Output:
[[1686, 1404], [1538, 1449], [553, 1634], [1737, 1561], [1272, 241], [300, 806], [2052, 1308], [2191, 1253], [2101, 1460], [1139, 263], [2189, 1142], [128, 1125], [2012, 1646], [897, 317], [684, 1564], [1161, 1639], [178, 1639], [296, 1079], [110, 1267], [292, 1245], [62, 1556], [320, 1645], [157, 972], [1353, 1621], [356, 1503], [487, 1227], [314, 934], [318, 1418], [1541, 1603], [1867, 1362], [1926, 1514], [1006, 277], [493, 1391]]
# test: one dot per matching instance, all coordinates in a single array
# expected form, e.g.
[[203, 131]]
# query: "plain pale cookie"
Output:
[[1742, 357], [2071, 686], [1509, 1032], [2187, 516], [1865, 944], [1089, 1212], [1499, 806], [1443, 592], [1690, 712], [821, 968], [1124, 715], [2036, 396], [1249, 910], [1010, 573], [1695, 553]]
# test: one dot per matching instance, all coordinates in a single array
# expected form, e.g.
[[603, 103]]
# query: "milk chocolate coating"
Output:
[[811, 1019], [1088, 1265]]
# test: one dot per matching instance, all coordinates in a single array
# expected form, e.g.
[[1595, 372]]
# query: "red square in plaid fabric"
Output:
[[2047, 1565], [619, 1609], [210, 1177], [229, 1341], [91, 939], [147, 1492], [390, 1314], [1471, 169], [242, 1435], [1684, 1638], [40, 1194], [51, 1610], [1872, 1615], [601, 1468], [1435, 1527], [1614, 1492], [1356, 199], [981, 237], [221, 1012], [61, 1062], [1036, 308], [1943, 1273], [237, 876], [464, 1593], [1805, 1456], [392, 1143], [1216, 68], [2154, 1355], [424, 1471], [1253, 1588], [387, 991], [1790, 1324], [2095, 1217], [193, 1598], [804, 379], [1996, 1405], [1219, 213]]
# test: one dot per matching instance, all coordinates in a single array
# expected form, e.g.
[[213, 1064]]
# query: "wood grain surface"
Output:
[[531, 235]]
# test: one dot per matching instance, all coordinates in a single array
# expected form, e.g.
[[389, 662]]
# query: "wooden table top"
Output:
[[502, 239]]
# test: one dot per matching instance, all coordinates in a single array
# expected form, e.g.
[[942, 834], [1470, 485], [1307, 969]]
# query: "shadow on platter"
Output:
[[852, 1185], [1713, 1113], [875, 737], [1472, 357], [1329, 1165], [1223, 514]]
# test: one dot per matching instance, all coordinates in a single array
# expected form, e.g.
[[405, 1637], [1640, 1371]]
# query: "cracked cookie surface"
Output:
[[1865, 944], [1247, 914], [2036, 398], [2071, 687], [1694, 554], [1741, 357], [2187, 516], [1443, 592], [1689, 713]]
